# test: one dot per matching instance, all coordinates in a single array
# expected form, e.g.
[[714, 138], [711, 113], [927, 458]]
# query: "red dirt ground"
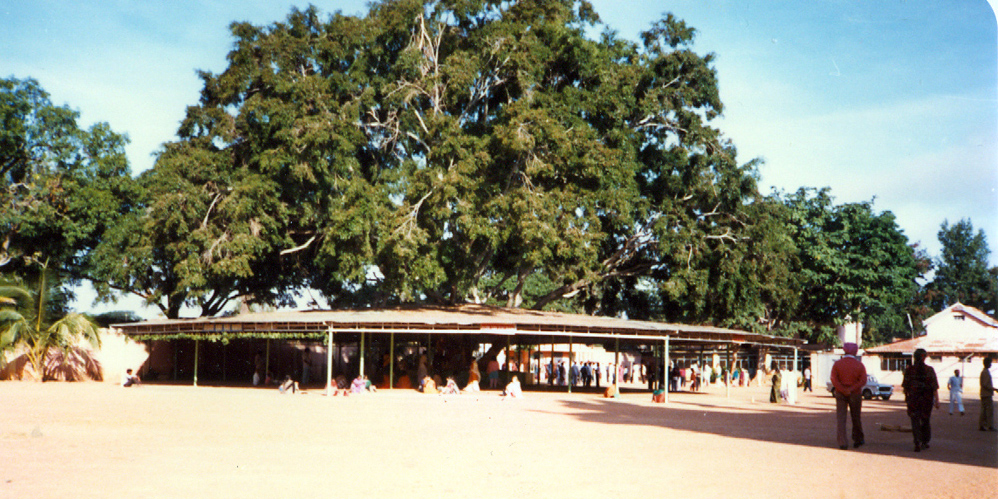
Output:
[[99, 440]]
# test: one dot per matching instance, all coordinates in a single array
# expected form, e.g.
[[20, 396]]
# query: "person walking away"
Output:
[[848, 378], [987, 421], [807, 380], [955, 387], [921, 394]]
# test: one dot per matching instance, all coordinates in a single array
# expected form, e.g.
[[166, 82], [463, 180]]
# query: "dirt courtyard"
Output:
[[99, 440]]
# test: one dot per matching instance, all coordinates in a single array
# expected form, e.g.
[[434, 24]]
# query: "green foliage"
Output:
[[496, 152], [26, 321], [486, 151], [62, 186], [962, 273], [116, 317], [854, 265]]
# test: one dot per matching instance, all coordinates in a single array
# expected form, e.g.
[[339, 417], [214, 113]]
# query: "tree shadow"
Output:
[[955, 439]]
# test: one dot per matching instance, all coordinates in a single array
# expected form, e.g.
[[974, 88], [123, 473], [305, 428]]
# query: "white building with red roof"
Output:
[[958, 337]]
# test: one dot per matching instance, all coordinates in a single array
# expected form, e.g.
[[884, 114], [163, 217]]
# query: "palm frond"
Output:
[[14, 329], [15, 296], [65, 332]]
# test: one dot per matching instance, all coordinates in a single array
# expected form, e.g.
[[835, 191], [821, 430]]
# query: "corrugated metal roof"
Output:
[[971, 345], [468, 319]]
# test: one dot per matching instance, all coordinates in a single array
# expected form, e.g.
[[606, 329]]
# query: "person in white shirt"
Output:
[[955, 386], [129, 379], [513, 389]]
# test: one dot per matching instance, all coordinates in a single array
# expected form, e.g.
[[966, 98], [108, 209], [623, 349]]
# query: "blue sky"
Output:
[[893, 101]]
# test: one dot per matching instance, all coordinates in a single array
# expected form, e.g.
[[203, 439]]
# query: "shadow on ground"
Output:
[[955, 439]]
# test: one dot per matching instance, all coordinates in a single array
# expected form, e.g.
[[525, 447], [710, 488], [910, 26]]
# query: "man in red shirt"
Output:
[[849, 377]]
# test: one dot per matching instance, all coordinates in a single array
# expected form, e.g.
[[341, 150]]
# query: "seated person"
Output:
[[513, 389], [369, 386], [472, 386], [450, 388], [129, 379], [288, 385], [429, 386], [340, 386], [358, 385]]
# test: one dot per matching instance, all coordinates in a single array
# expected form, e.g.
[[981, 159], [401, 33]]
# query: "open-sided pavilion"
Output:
[[488, 325]]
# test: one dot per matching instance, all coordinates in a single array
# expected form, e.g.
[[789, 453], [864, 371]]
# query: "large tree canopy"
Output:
[[962, 273], [449, 151], [62, 186], [853, 265]]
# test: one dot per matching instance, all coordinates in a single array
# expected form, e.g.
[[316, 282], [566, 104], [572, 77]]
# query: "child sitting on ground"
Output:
[[289, 385], [450, 388], [129, 379]]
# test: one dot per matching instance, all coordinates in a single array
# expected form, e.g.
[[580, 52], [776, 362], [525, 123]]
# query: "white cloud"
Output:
[[926, 160]]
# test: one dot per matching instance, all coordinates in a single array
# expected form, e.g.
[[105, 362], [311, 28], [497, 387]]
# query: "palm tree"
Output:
[[24, 323]]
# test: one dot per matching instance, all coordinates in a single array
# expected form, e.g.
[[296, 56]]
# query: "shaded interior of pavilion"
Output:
[[387, 348]]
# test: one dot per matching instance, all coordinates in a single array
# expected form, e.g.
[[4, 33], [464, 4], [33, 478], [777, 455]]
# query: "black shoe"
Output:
[[856, 445], [843, 447], [917, 448], [925, 445]]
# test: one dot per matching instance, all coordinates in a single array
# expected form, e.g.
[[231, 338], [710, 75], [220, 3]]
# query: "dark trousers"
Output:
[[987, 419], [920, 429], [854, 404]]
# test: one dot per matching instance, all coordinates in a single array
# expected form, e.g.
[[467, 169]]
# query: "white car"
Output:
[[871, 389]]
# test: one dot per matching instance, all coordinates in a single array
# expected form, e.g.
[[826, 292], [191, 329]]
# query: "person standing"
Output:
[[955, 387], [258, 368], [807, 380], [987, 421], [492, 371], [848, 378], [422, 372], [774, 391], [306, 365], [921, 394]]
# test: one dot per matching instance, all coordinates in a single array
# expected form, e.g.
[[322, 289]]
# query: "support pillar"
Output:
[[667, 372], [506, 360], [727, 372], [391, 362], [329, 360], [360, 354], [266, 363], [616, 366], [196, 348], [570, 363], [553, 379]]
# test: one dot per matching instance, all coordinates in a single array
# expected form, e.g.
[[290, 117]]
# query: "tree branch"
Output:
[[298, 248]]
